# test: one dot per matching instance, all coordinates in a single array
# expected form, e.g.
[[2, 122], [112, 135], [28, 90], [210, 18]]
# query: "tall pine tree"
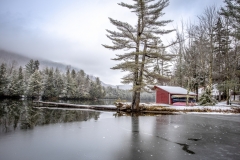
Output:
[[140, 41]]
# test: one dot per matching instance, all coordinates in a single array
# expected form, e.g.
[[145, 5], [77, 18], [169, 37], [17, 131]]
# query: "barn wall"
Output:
[[162, 96]]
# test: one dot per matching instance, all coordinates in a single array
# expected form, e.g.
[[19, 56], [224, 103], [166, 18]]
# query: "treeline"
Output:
[[31, 82], [115, 93], [51, 83], [208, 51]]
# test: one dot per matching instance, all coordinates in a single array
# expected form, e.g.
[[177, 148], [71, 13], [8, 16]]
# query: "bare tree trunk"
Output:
[[234, 93], [227, 59], [219, 96], [196, 92], [135, 96], [138, 90], [135, 101], [228, 96], [188, 89]]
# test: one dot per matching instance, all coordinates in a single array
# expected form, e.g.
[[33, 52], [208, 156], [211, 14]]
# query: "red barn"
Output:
[[170, 94]]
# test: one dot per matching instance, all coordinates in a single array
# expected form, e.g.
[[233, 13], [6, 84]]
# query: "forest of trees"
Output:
[[31, 82], [204, 53], [208, 51]]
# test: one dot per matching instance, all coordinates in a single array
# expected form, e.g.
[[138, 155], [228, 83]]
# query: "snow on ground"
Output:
[[217, 109]]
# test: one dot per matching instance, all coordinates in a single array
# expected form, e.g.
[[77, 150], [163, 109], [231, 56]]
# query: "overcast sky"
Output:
[[72, 31]]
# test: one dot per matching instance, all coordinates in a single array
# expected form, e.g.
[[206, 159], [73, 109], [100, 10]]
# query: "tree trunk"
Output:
[[234, 93], [219, 96], [188, 88], [135, 96], [197, 92], [228, 96], [135, 101]]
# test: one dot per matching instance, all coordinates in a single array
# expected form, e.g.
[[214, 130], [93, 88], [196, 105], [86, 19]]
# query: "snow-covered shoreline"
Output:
[[220, 108]]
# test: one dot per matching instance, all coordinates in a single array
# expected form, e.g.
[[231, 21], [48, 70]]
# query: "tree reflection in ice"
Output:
[[21, 115]]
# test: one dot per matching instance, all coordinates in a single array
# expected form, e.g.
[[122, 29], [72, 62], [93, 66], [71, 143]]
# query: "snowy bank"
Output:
[[218, 108]]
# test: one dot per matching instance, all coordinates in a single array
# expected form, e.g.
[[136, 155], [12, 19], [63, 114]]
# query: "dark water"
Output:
[[28, 133]]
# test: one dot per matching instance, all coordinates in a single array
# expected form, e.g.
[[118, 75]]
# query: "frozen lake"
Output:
[[34, 134]]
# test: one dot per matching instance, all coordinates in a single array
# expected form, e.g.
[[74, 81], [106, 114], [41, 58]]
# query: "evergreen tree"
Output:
[[82, 73], [206, 98], [73, 73], [13, 84], [141, 41], [79, 81], [20, 83], [232, 12], [86, 86], [93, 90], [99, 90], [69, 90], [58, 82], [49, 89], [30, 67], [3, 79], [221, 44], [34, 85], [36, 65]]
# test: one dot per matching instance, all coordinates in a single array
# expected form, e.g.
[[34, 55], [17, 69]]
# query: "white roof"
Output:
[[175, 90]]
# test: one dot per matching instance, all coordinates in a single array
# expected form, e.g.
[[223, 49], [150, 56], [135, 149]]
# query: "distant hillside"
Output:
[[20, 60], [9, 57], [123, 87]]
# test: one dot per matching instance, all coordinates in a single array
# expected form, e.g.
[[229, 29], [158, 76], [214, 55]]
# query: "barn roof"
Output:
[[175, 90]]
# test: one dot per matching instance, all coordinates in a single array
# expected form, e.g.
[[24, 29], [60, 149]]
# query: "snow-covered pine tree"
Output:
[[139, 40], [86, 86], [49, 89], [74, 84], [58, 82], [36, 65], [93, 90], [32, 66], [13, 85], [79, 81], [99, 89], [206, 98], [96, 91], [20, 83], [29, 67], [73, 74], [69, 89], [3, 79], [34, 85]]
